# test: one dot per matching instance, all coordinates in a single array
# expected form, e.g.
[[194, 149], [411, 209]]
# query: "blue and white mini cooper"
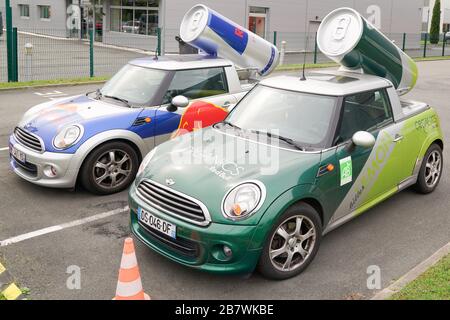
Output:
[[100, 138]]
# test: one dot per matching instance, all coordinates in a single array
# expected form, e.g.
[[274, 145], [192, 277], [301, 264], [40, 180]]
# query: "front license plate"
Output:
[[156, 223], [19, 155]]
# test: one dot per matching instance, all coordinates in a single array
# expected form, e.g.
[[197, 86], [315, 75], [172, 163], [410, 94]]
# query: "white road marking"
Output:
[[4, 149], [60, 227], [51, 94]]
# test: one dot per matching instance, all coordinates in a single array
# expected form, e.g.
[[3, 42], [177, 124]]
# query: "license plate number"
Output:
[[156, 223], [19, 155]]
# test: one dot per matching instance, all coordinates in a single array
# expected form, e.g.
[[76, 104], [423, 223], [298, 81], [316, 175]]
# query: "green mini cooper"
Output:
[[292, 161]]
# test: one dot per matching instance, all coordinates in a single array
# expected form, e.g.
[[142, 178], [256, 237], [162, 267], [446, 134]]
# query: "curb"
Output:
[[7, 286], [413, 274], [68, 84]]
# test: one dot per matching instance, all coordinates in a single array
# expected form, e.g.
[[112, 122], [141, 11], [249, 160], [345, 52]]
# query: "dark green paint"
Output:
[[158, 34], [9, 40], [91, 53], [15, 57], [315, 48], [296, 180], [376, 55], [425, 45], [404, 42]]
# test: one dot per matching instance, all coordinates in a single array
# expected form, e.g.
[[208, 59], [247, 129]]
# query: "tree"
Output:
[[435, 22]]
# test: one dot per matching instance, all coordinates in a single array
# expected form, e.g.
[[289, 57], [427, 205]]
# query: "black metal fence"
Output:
[[52, 54], [41, 55]]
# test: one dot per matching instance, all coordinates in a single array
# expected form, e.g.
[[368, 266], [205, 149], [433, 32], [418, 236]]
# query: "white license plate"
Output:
[[19, 155], [156, 223]]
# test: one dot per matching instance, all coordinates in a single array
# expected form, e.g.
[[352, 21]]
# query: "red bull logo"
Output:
[[199, 114], [239, 33]]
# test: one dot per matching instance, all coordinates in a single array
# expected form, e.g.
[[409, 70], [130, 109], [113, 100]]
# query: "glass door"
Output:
[[257, 21], [98, 20]]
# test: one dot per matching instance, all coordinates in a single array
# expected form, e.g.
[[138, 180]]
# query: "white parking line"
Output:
[[59, 227], [4, 149], [52, 95]]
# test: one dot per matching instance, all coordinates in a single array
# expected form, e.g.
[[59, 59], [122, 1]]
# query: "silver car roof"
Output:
[[180, 62], [326, 82]]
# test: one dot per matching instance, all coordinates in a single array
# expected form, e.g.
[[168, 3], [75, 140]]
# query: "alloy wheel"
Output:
[[433, 169], [112, 168], [292, 243]]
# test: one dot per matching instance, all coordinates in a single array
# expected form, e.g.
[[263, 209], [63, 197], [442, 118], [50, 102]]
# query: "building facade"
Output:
[[445, 14], [135, 23]]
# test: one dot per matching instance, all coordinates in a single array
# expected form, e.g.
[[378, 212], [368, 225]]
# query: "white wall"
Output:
[[445, 13], [287, 17], [56, 25]]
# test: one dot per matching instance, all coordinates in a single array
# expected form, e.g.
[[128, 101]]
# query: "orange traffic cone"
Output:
[[129, 285]]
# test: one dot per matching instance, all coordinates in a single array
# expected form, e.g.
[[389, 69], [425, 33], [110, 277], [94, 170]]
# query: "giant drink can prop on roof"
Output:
[[213, 33], [347, 38]]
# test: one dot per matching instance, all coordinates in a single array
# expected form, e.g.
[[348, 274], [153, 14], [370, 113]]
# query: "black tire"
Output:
[[422, 185], [265, 265], [89, 172]]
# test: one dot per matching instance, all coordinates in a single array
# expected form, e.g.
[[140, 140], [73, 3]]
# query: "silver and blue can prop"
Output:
[[217, 35], [350, 40]]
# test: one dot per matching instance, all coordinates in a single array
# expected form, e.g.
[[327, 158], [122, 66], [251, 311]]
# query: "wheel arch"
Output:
[[313, 202], [131, 138], [439, 142], [305, 193]]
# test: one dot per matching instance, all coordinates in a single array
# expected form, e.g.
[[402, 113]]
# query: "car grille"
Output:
[[28, 139], [28, 167], [183, 246], [172, 202]]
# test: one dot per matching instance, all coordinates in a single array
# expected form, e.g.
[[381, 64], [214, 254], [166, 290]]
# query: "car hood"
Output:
[[194, 163], [47, 119]]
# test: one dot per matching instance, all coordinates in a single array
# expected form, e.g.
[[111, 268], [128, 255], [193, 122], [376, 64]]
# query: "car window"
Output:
[[197, 83], [137, 85], [304, 118], [364, 111]]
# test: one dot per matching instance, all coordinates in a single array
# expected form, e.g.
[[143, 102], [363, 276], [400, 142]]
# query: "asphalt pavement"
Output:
[[395, 236]]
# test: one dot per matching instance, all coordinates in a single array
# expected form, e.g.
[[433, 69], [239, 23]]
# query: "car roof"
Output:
[[180, 62], [332, 83]]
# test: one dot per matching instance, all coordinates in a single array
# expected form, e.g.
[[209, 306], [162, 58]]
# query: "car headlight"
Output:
[[145, 161], [68, 136], [243, 200]]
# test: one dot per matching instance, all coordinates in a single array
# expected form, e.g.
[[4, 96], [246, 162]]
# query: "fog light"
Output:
[[227, 251], [50, 171]]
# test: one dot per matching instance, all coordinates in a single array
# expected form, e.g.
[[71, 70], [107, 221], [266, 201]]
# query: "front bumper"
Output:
[[33, 169], [199, 247]]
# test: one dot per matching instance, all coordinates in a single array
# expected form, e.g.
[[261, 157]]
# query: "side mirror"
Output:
[[178, 102], [363, 139]]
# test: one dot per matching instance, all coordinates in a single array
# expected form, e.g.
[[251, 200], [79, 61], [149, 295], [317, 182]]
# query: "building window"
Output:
[[446, 27], [257, 21], [134, 16], [24, 10], [44, 12]]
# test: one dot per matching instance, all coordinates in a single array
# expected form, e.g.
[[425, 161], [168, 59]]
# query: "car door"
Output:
[[363, 174], [208, 92], [208, 84]]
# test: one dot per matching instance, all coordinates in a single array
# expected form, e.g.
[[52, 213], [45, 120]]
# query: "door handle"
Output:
[[226, 104], [398, 138]]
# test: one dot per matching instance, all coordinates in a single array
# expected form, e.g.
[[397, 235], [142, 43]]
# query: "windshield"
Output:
[[137, 85], [303, 118]]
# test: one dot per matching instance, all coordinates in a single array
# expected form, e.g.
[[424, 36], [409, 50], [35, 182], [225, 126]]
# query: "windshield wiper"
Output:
[[284, 139], [118, 99], [231, 125], [97, 92]]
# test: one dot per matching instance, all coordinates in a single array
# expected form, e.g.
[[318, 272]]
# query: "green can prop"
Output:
[[350, 40]]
